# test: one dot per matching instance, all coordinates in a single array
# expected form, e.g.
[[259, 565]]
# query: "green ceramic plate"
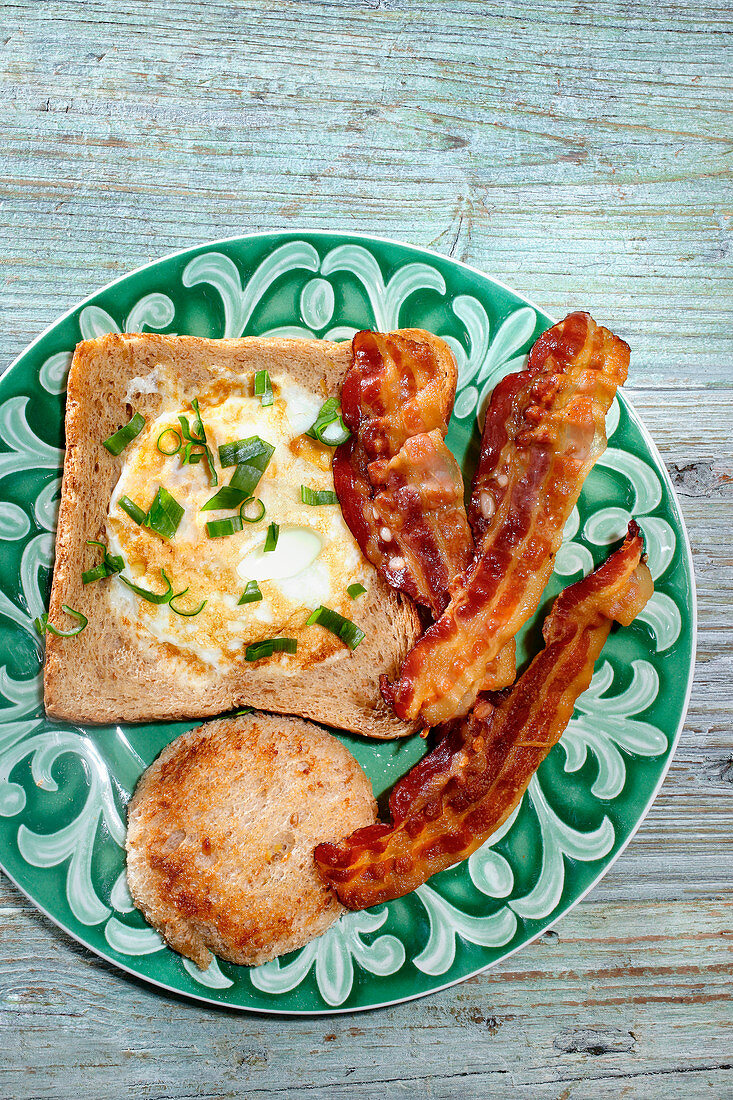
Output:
[[63, 788]]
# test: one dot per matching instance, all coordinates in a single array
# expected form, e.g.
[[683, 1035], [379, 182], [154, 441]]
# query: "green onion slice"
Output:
[[109, 565], [197, 440], [151, 597], [119, 440], [263, 387], [43, 626], [347, 631], [175, 444], [258, 650], [180, 611], [273, 534], [329, 427], [314, 497], [164, 515], [244, 710], [251, 593], [213, 478], [227, 497], [97, 574], [253, 451], [109, 557], [251, 457], [246, 478], [190, 458], [356, 590], [252, 502], [133, 510], [220, 528], [198, 425]]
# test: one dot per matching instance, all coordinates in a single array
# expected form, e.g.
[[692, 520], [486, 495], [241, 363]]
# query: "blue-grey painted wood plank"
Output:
[[631, 1000], [578, 151]]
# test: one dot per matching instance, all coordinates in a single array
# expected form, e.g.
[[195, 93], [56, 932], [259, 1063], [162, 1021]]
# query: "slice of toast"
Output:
[[105, 674], [221, 832]]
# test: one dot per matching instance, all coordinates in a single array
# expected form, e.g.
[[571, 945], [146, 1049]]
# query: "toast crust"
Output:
[[221, 832], [104, 676]]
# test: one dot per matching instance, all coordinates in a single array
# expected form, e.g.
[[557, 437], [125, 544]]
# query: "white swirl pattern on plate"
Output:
[[316, 304], [488, 361], [334, 954], [607, 725], [558, 839], [240, 301], [27, 451], [154, 310], [52, 375], [448, 922], [14, 523], [385, 298]]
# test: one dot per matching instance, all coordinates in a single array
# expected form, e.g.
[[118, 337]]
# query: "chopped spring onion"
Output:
[[190, 458], [109, 565], [213, 478], [263, 387], [43, 626], [251, 593], [335, 433], [180, 611], [356, 590], [133, 510], [347, 631], [251, 457], [244, 710], [329, 427], [151, 597], [198, 426], [99, 573], [246, 450], [317, 496], [220, 528], [173, 446], [164, 515], [246, 478], [197, 440], [273, 534], [250, 501], [258, 650], [117, 442], [227, 497]]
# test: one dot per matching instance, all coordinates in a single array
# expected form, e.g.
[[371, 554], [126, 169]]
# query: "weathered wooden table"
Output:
[[576, 151]]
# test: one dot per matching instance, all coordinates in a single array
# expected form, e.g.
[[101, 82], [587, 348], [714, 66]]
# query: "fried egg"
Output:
[[316, 557]]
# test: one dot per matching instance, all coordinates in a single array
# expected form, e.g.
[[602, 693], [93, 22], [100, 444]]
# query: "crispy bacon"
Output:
[[502, 671], [400, 489], [396, 386], [544, 431], [459, 794]]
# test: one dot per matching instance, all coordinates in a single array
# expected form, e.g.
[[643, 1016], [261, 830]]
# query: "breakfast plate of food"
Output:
[[347, 620]]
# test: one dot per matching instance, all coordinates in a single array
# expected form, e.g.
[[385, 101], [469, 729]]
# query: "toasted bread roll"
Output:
[[221, 832]]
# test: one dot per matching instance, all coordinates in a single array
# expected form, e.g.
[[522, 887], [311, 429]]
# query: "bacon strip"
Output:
[[460, 794], [399, 384], [400, 489], [544, 432], [502, 671]]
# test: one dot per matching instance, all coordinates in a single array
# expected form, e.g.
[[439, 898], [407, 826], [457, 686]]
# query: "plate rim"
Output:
[[201, 998]]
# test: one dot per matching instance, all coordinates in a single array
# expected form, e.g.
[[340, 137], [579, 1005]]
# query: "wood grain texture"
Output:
[[631, 1000], [576, 150]]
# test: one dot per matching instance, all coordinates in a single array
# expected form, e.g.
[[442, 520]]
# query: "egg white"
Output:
[[314, 562]]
